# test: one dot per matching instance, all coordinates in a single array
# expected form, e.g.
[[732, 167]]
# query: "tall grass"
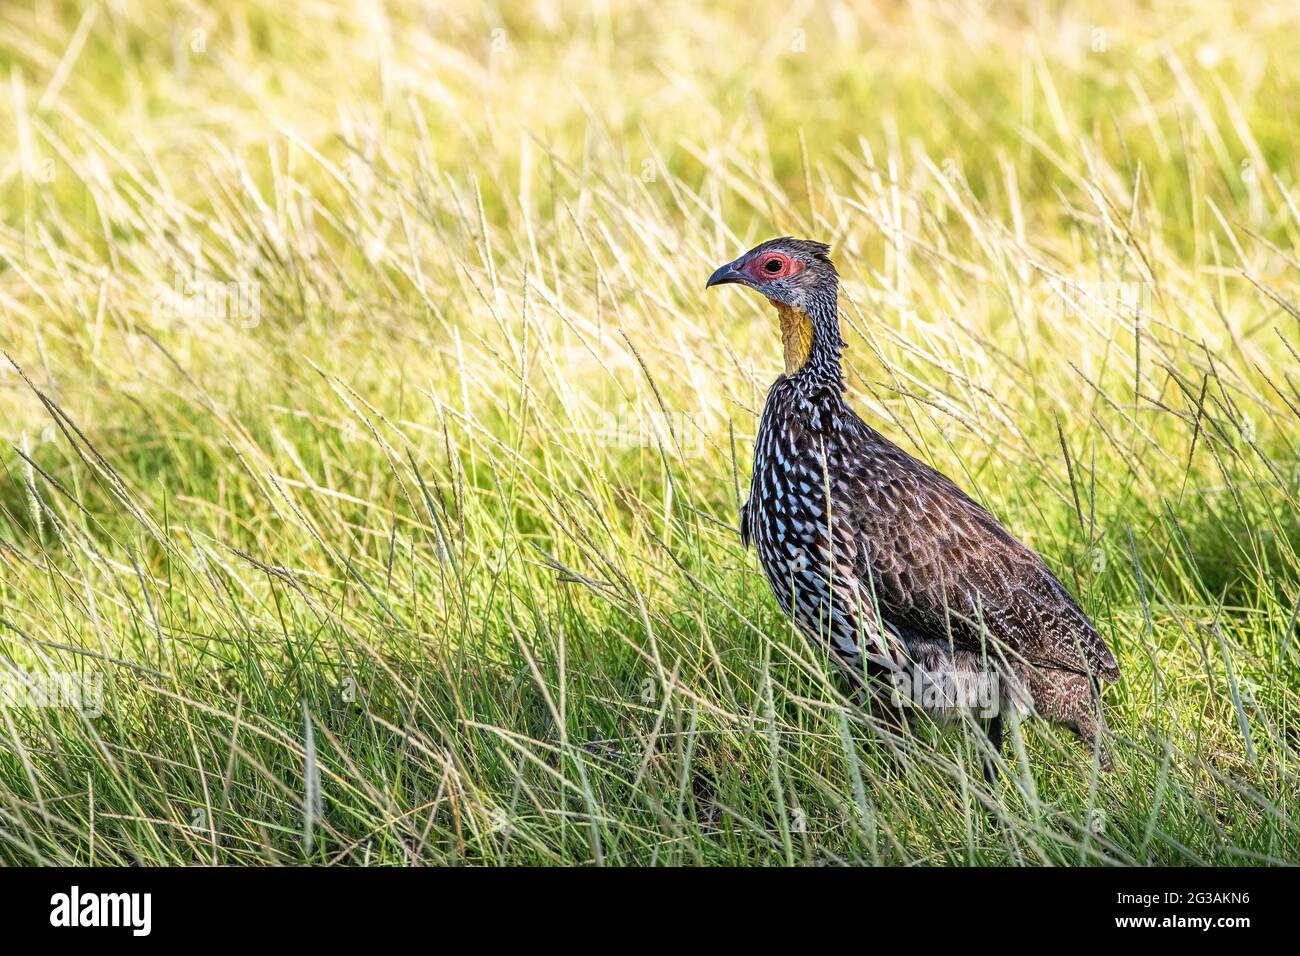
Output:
[[369, 437]]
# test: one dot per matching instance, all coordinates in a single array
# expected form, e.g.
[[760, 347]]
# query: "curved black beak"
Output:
[[725, 274]]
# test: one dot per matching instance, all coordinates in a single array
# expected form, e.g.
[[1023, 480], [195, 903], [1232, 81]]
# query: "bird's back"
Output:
[[944, 568], [905, 540]]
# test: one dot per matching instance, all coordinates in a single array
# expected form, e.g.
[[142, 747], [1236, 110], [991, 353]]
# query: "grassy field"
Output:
[[372, 454]]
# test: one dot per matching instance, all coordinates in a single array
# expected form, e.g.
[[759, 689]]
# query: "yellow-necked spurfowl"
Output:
[[884, 562]]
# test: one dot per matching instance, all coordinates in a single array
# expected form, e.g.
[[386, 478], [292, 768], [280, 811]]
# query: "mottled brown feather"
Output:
[[879, 557]]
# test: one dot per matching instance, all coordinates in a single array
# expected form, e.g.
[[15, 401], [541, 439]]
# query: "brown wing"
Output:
[[940, 564]]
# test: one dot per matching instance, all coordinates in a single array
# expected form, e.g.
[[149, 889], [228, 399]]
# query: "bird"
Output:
[[883, 562]]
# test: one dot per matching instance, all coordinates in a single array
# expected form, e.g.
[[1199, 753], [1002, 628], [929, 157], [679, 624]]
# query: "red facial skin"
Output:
[[763, 268]]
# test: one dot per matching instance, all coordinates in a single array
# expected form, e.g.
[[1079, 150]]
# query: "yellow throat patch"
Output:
[[796, 336]]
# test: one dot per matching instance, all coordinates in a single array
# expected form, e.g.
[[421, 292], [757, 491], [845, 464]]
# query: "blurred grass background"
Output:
[[368, 434]]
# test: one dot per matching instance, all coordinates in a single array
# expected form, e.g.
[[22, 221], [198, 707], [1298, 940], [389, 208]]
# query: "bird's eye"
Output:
[[772, 265]]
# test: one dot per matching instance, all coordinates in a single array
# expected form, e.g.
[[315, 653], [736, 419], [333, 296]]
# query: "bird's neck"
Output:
[[812, 344], [796, 336]]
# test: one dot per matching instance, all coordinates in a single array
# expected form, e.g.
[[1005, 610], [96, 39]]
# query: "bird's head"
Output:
[[799, 279]]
